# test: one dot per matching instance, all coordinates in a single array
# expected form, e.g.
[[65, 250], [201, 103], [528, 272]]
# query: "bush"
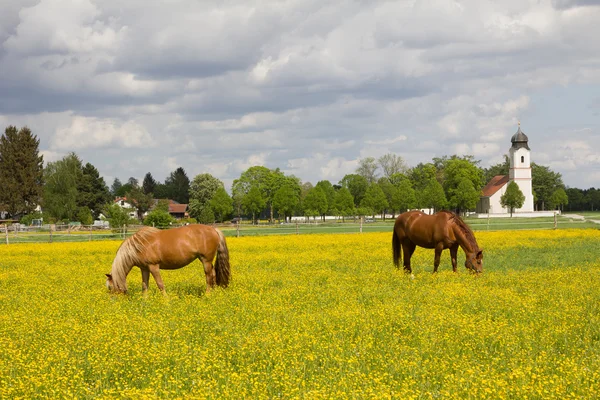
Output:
[[84, 215], [27, 219], [159, 219]]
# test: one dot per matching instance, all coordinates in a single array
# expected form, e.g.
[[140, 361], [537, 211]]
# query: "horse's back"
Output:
[[179, 246], [422, 229]]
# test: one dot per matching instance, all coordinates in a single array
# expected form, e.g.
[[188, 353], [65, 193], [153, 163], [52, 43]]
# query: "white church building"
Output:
[[519, 172]]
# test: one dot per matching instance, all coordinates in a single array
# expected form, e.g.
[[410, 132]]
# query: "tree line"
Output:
[[71, 190]]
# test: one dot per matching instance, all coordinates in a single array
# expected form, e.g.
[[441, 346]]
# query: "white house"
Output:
[[519, 172], [122, 201]]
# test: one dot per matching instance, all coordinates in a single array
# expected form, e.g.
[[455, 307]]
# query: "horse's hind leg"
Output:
[[155, 271], [408, 248], [211, 275], [438, 254]]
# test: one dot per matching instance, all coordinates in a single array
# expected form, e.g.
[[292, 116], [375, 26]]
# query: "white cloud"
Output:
[[89, 132]]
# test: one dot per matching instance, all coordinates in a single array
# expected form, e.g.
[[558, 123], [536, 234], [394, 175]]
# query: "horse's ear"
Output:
[[109, 276], [480, 254]]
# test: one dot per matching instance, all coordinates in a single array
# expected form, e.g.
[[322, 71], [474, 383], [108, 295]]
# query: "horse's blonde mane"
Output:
[[128, 255]]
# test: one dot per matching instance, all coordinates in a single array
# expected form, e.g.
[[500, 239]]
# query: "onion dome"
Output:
[[519, 139]]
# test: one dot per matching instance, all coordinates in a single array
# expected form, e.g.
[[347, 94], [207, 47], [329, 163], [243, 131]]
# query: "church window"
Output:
[[522, 159]]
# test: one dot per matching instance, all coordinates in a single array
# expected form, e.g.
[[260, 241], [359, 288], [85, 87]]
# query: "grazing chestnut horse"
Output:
[[153, 249], [440, 231]]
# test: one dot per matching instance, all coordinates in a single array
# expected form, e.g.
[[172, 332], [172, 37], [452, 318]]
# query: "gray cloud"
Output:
[[303, 85]]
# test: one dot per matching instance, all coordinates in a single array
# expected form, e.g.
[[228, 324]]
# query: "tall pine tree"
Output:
[[178, 186], [21, 171]]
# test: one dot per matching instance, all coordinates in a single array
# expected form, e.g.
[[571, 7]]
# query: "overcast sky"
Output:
[[309, 86]]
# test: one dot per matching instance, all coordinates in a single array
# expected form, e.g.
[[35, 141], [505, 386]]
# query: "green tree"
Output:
[[575, 199], [123, 189], [116, 216], [258, 178], [207, 216], [84, 215], [116, 187], [92, 192], [221, 204], [315, 203], [465, 196], [367, 168], [433, 196], [21, 171], [149, 184], [404, 198], [375, 199], [389, 190], [286, 200], [253, 202], [162, 204], [329, 191], [544, 183], [420, 177], [513, 197], [140, 200], [558, 199], [161, 191], [343, 203], [357, 185], [202, 189], [60, 191], [460, 195], [178, 186]]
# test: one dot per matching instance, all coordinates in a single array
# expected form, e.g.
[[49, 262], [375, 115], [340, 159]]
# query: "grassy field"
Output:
[[308, 316]]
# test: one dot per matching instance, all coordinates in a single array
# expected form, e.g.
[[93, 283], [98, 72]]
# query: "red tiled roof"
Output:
[[177, 208], [494, 185]]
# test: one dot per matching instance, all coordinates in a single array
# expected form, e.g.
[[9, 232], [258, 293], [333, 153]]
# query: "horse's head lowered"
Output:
[[474, 261], [112, 286]]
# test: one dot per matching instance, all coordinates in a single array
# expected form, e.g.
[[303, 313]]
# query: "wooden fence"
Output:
[[17, 233]]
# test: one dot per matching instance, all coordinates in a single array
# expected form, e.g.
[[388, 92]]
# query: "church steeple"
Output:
[[519, 139]]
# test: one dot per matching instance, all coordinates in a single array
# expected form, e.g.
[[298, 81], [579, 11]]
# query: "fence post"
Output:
[[488, 220], [6, 231], [555, 221], [50, 233], [90, 234], [237, 228], [296, 227], [361, 222]]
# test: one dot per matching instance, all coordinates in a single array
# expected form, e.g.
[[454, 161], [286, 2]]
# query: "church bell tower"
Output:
[[520, 168]]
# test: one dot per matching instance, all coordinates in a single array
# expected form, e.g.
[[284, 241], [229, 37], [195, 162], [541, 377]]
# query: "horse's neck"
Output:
[[463, 241], [120, 270]]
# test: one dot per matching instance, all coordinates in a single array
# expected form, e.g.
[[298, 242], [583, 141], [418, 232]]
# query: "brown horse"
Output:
[[153, 249], [443, 230]]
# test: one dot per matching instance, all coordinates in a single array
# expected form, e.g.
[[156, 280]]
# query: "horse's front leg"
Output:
[[453, 254], [145, 278], [155, 271], [438, 254]]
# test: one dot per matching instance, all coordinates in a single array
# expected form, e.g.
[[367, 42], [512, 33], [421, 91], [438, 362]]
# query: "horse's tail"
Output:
[[396, 247], [222, 267]]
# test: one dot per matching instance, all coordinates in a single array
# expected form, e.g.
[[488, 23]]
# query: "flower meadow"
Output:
[[308, 316]]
